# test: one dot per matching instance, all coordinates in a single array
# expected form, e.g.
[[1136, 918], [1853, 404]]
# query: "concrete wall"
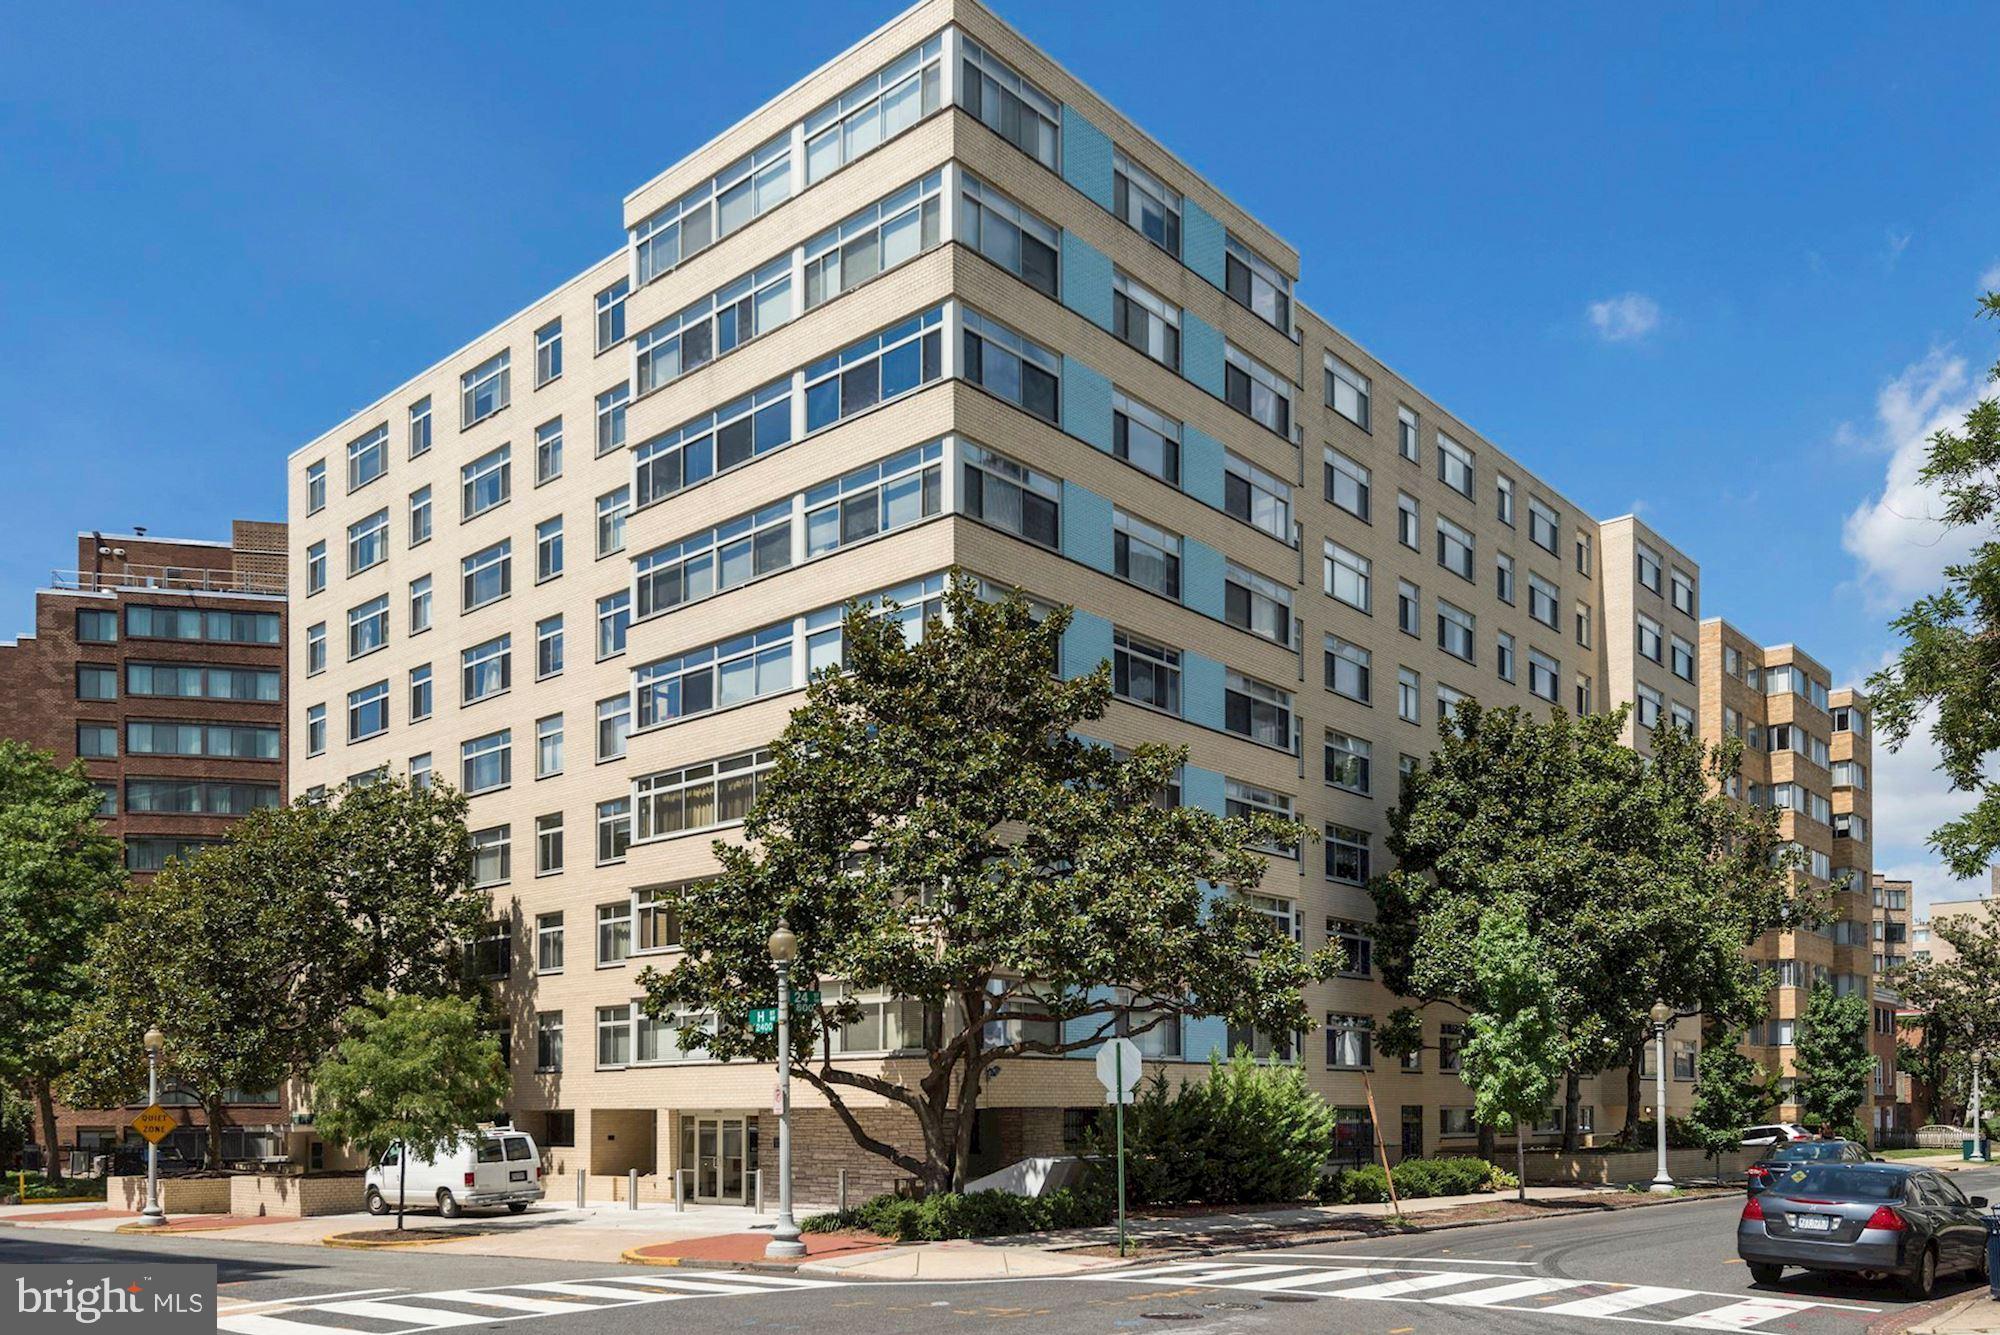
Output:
[[178, 1195], [293, 1197], [1554, 1168]]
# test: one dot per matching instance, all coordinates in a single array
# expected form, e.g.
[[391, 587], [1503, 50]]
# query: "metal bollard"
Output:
[[759, 1175], [685, 1179], [580, 1176], [632, 1188], [679, 1204], [842, 1203]]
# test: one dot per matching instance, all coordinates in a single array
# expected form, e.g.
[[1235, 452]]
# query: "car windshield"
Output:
[[1841, 1183], [1811, 1149]]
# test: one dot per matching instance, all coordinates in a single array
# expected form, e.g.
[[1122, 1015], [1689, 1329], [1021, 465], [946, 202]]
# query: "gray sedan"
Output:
[[1875, 1219]]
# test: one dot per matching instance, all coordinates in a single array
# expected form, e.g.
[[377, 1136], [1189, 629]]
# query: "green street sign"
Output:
[[764, 1019], [801, 1000]]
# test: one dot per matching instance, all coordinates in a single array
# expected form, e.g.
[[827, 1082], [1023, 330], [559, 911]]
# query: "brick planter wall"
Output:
[[1554, 1168], [178, 1195], [293, 1197]]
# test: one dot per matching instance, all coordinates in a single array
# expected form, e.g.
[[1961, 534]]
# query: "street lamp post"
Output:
[[1662, 1013], [153, 1215], [1978, 1122], [785, 1243]]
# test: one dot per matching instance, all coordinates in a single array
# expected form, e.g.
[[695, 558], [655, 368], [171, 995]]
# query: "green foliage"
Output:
[[1637, 880], [1835, 1063], [1250, 1132], [936, 827], [1514, 1054], [421, 1072], [1732, 1090], [1960, 1001], [1416, 1179], [1951, 638], [1682, 1134], [58, 871], [978, 1214]]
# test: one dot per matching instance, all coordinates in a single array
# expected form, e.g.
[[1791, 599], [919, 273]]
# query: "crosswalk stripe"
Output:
[[641, 1283], [1396, 1288], [508, 1302], [1306, 1279], [1507, 1293], [582, 1290], [427, 1318], [1746, 1314], [1622, 1300], [736, 1280], [1212, 1274], [255, 1323]]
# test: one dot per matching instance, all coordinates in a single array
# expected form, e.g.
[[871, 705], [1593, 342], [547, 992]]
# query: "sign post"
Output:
[[1118, 1070]]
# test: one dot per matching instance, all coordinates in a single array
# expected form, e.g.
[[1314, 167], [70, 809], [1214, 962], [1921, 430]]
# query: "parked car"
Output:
[[1774, 1133], [1872, 1219], [499, 1167], [1759, 1175]]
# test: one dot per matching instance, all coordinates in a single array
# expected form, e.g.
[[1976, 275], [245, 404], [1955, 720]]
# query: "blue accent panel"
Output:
[[1086, 644], [1086, 404], [1201, 242], [1204, 1038], [1201, 690], [1201, 466], [1201, 353], [1086, 527], [1086, 157], [1201, 578], [1203, 788], [1073, 1030], [1086, 280]]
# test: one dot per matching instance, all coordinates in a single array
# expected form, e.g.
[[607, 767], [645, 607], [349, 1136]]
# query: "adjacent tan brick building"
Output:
[[935, 305]]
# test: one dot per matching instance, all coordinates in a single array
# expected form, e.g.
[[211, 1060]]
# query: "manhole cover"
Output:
[[1234, 1307]]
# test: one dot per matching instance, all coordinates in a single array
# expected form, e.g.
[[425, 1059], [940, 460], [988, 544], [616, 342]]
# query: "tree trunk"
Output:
[[1486, 1150], [214, 1110], [968, 1113], [1572, 1105], [1636, 1058], [1521, 1158], [45, 1107]]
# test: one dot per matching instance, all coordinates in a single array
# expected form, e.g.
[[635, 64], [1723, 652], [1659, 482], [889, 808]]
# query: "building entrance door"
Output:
[[715, 1148]]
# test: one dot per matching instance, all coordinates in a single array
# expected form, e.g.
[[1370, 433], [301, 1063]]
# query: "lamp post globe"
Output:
[[783, 945]]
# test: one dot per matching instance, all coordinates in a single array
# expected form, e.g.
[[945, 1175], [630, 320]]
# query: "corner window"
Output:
[[485, 390], [1347, 391]]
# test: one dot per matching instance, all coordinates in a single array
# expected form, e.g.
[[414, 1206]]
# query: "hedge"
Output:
[[978, 1214], [1460, 1175]]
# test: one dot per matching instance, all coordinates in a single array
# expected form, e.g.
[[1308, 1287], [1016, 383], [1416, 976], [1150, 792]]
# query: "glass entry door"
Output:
[[716, 1149]]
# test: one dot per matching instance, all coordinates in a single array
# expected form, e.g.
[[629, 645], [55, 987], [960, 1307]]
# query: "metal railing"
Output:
[[190, 579]]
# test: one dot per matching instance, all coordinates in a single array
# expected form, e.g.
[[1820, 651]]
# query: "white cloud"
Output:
[[1898, 242], [1912, 798], [1990, 280], [1624, 319], [1896, 535]]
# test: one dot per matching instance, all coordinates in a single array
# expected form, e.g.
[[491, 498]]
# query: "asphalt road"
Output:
[[1672, 1266]]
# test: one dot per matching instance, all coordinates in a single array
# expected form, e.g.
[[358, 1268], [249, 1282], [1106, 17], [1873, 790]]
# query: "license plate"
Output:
[[518, 1175], [1813, 1223]]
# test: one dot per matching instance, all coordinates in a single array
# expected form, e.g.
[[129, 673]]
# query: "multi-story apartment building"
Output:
[[160, 663], [1806, 753], [936, 305], [1891, 922]]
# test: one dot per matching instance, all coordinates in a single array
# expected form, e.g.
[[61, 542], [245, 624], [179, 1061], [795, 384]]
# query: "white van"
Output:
[[495, 1167]]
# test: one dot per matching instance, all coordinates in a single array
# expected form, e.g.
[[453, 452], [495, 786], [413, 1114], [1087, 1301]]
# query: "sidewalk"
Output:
[[1976, 1314]]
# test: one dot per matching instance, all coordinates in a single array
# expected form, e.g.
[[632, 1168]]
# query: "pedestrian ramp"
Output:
[[1390, 1279], [440, 1309]]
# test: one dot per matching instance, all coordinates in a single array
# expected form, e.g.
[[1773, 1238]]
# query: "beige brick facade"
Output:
[[1568, 613]]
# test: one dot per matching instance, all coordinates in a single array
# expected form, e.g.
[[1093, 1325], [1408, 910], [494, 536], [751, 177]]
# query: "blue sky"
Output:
[[1716, 263]]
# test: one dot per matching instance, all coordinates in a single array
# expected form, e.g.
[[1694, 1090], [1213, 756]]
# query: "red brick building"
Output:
[[160, 662]]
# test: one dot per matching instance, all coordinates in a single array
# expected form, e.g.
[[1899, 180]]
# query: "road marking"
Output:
[[1742, 1316], [1620, 1300], [411, 1315], [250, 1304], [1424, 1260], [1506, 1293], [1492, 1290]]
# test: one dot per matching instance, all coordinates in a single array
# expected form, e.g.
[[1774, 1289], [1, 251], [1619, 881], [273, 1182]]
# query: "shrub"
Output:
[[1248, 1133], [978, 1214], [1458, 1175]]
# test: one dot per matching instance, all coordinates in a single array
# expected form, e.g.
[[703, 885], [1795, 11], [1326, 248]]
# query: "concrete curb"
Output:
[[349, 1242]]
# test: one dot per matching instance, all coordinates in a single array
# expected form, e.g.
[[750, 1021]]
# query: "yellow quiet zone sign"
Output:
[[155, 1124]]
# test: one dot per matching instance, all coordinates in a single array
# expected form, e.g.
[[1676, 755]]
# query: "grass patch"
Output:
[[1911, 1153]]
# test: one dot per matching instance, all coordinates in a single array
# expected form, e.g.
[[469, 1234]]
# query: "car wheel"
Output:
[[516, 1207], [1983, 1270], [376, 1205], [1762, 1273], [449, 1207], [1922, 1282]]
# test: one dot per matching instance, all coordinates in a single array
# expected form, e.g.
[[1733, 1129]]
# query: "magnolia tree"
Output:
[[938, 831]]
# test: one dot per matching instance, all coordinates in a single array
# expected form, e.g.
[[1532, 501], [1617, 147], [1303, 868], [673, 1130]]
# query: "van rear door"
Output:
[[521, 1160], [489, 1168]]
